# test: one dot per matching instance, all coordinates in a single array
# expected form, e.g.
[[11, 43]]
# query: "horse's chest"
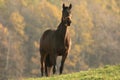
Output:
[[62, 47]]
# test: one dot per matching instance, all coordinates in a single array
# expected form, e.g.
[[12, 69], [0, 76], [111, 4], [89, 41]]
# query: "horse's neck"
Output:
[[62, 30]]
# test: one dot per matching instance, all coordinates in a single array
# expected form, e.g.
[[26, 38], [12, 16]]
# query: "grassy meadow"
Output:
[[105, 73]]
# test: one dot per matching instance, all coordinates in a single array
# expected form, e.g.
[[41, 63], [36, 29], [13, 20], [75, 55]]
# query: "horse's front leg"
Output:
[[62, 63], [54, 66], [54, 69], [52, 63], [46, 73]]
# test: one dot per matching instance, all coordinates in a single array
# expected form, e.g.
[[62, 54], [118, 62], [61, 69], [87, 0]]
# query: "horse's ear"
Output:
[[70, 6], [63, 6]]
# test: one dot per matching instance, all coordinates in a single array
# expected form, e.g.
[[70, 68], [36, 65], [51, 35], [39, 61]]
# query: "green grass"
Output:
[[105, 73]]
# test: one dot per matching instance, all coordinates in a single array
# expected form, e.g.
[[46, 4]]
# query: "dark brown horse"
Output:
[[55, 43]]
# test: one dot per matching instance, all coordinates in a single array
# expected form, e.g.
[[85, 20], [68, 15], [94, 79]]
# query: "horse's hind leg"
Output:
[[42, 63], [42, 66]]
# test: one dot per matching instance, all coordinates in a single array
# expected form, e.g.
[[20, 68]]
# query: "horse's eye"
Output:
[[68, 11]]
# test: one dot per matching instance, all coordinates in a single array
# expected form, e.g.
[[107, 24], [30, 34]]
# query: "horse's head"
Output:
[[67, 21], [66, 12]]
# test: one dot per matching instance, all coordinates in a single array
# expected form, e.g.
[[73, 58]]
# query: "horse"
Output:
[[55, 43], [48, 63]]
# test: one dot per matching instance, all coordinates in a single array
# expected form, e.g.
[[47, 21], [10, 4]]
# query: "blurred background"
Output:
[[95, 34]]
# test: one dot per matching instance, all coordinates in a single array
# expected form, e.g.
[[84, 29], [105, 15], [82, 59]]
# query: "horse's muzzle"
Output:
[[69, 21]]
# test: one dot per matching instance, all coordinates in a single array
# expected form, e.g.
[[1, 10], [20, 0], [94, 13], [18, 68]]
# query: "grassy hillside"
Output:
[[105, 73]]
